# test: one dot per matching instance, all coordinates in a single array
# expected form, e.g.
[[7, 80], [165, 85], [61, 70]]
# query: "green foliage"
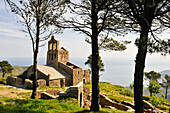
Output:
[[166, 84], [152, 75], [111, 44], [119, 98], [156, 101], [131, 85], [2, 80], [5, 67], [154, 87], [100, 63]]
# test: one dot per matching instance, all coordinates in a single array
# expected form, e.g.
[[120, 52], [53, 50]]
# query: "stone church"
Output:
[[59, 71]]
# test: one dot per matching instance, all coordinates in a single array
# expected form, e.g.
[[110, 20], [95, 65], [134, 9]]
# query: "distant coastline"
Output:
[[118, 71]]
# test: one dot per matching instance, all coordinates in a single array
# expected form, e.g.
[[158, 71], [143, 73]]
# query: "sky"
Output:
[[14, 44]]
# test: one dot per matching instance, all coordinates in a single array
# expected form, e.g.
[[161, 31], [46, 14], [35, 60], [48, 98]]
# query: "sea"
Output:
[[117, 71]]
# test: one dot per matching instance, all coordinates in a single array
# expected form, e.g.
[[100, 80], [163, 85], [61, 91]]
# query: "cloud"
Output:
[[10, 30]]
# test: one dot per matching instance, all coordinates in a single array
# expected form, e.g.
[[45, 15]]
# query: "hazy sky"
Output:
[[13, 43]]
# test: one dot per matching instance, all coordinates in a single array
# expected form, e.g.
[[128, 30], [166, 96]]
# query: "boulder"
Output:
[[28, 84], [45, 95], [110, 107], [128, 104], [148, 105], [19, 82], [86, 97], [105, 101], [11, 80]]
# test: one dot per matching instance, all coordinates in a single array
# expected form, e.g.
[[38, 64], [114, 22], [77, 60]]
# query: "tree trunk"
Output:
[[3, 74], [95, 55], [33, 96], [139, 70], [151, 94], [166, 93]]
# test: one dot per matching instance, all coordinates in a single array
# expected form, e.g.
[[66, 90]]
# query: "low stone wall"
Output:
[[54, 83], [74, 92]]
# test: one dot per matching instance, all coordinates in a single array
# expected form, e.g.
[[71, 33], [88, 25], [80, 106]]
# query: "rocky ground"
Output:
[[14, 92]]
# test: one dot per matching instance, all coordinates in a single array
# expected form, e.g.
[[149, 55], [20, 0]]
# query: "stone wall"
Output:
[[41, 83], [29, 83], [69, 71], [63, 55], [65, 68], [43, 76], [56, 83], [86, 76], [74, 92], [77, 76]]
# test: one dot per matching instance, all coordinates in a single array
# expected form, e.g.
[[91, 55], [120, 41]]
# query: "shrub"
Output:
[[156, 101]]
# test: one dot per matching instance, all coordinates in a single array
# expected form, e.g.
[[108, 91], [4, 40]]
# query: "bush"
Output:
[[156, 101]]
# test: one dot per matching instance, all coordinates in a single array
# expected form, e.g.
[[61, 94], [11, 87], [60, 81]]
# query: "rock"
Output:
[[2, 103], [110, 107], [105, 101], [148, 105], [11, 80], [28, 84], [19, 82], [128, 104], [45, 95], [86, 97]]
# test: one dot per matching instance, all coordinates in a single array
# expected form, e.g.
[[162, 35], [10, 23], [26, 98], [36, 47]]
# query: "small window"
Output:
[[78, 72], [84, 80], [84, 72], [61, 83], [52, 56]]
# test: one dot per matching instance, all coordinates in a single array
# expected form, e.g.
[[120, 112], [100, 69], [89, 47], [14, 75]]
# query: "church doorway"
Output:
[[61, 83]]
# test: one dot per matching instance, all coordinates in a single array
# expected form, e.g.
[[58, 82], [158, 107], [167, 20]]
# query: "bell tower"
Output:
[[52, 54]]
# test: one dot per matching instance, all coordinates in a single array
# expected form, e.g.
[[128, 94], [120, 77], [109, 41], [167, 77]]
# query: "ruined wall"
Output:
[[74, 92], [57, 83], [86, 76], [29, 83]]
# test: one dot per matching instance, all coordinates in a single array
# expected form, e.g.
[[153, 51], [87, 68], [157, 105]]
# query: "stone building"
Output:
[[59, 71]]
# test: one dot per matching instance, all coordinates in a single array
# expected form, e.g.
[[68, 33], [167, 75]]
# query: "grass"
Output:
[[46, 88], [2, 80], [69, 105], [39, 106], [109, 89]]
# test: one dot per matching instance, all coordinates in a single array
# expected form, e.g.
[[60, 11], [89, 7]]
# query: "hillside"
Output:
[[17, 70]]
